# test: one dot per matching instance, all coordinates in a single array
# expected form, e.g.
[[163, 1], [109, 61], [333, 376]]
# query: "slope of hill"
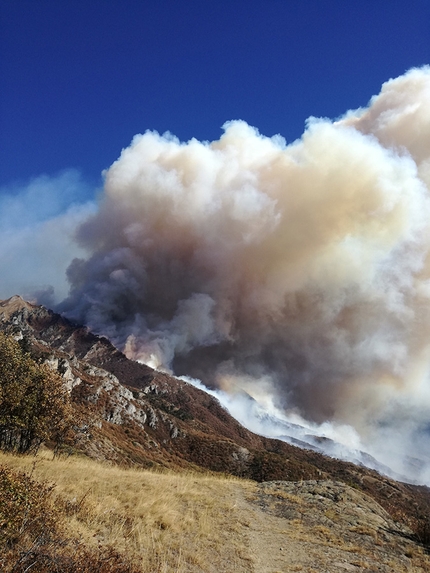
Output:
[[141, 417], [189, 523]]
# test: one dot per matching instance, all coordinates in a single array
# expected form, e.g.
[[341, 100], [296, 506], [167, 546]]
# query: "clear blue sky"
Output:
[[78, 78]]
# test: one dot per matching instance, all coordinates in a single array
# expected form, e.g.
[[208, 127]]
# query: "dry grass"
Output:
[[166, 522], [280, 494], [189, 523], [365, 530]]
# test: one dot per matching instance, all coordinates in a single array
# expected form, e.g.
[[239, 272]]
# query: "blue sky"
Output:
[[79, 78]]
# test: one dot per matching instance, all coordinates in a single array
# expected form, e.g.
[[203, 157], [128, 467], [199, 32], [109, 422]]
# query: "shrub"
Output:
[[33, 537], [34, 405], [23, 508]]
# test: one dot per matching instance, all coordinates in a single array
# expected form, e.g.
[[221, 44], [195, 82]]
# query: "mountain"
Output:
[[142, 417]]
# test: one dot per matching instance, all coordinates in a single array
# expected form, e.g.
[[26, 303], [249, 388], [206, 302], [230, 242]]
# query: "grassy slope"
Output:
[[201, 523], [166, 522]]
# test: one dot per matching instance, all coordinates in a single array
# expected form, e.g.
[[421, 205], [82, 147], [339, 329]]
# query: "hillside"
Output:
[[147, 419], [190, 523]]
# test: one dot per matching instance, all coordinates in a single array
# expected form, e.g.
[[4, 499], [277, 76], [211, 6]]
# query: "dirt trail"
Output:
[[321, 527], [268, 538]]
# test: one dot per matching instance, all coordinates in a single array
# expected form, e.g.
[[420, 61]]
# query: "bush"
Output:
[[32, 533], [34, 405], [23, 508]]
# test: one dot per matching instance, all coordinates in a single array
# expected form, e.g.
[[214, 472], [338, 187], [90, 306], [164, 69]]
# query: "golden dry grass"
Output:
[[192, 523], [168, 522]]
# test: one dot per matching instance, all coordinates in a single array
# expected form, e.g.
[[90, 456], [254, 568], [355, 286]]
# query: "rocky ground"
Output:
[[323, 527]]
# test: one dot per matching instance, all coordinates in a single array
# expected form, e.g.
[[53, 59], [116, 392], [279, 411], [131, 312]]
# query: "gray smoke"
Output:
[[299, 272]]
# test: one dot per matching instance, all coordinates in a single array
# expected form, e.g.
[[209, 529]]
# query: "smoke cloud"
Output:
[[38, 221], [299, 272]]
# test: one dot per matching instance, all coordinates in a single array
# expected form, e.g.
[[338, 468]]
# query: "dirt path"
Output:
[[268, 538], [323, 528], [279, 544]]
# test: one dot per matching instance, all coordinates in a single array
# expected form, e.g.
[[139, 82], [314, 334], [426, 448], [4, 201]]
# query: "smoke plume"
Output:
[[299, 272], [38, 221]]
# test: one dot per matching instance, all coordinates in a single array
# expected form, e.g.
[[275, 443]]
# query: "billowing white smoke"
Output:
[[302, 270]]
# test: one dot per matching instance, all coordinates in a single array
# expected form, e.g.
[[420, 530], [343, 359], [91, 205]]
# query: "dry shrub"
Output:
[[422, 531], [32, 534], [24, 508]]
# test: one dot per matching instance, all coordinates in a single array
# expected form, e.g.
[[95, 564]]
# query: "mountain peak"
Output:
[[13, 304]]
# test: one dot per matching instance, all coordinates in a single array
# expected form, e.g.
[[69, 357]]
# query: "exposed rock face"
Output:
[[141, 416]]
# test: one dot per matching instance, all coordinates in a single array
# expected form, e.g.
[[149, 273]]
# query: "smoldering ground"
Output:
[[297, 272]]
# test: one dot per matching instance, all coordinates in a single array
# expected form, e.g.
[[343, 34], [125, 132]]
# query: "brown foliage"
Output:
[[32, 534]]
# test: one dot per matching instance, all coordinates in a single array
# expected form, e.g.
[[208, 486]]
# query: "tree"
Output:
[[34, 405]]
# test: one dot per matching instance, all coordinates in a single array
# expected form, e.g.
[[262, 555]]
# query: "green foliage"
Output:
[[32, 533], [34, 406]]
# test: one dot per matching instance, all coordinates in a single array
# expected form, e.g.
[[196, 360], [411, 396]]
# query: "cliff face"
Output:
[[148, 418]]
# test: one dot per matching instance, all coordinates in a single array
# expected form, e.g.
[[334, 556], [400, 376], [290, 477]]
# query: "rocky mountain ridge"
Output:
[[150, 419]]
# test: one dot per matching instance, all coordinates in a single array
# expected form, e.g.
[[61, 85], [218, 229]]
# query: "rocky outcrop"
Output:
[[326, 526]]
